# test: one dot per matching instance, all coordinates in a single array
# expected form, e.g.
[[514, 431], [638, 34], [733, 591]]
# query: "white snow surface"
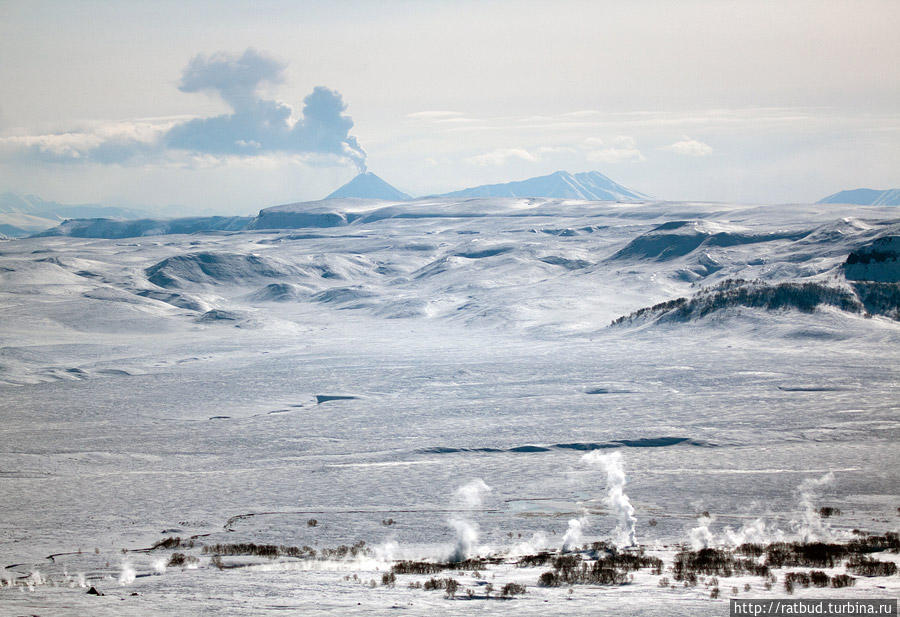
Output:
[[240, 384]]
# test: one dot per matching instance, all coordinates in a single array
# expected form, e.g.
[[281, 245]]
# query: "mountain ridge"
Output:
[[588, 185], [864, 197]]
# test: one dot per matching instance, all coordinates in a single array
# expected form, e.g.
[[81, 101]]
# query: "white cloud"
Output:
[[689, 147], [501, 156], [619, 149], [83, 143], [556, 150], [434, 115]]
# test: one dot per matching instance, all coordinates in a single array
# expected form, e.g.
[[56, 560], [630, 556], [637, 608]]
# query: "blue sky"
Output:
[[229, 107]]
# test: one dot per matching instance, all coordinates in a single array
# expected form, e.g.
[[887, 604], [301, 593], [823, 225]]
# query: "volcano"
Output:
[[369, 186]]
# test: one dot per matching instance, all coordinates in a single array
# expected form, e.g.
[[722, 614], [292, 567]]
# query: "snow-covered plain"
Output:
[[233, 386]]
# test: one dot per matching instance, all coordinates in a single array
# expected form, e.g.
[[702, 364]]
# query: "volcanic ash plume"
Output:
[[468, 496], [616, 499]]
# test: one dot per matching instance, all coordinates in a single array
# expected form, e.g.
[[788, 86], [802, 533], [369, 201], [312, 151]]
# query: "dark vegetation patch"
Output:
[[879, 298], [819, 554], [870, 257], [863, 566], [181, 560], [610, 567], [448, 585], [172, 542], [433, 567], [512, 589], [689, 565], [816, 578], [270, 551], [805, 297], [533, 561]]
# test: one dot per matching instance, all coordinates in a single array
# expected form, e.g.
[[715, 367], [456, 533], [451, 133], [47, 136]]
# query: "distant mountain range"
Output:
[[21, 215], [589, 185], [865, 197]]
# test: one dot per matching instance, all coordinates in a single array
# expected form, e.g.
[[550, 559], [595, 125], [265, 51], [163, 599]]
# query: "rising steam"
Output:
[[468, 497], [127, 576], [572, 539], [701, 536], [812, 527], [616, 499]]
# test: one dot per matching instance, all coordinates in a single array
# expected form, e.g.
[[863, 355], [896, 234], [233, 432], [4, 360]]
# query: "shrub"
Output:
[[447, 584], [548, 579], [862, 566], [452, 586], [712, 561], [512, 589], [795, 579], [430, 567], [804, 554], [343, 551], [168, 543], [842, 580], [572, 570], [417, 567], [261, 550]]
